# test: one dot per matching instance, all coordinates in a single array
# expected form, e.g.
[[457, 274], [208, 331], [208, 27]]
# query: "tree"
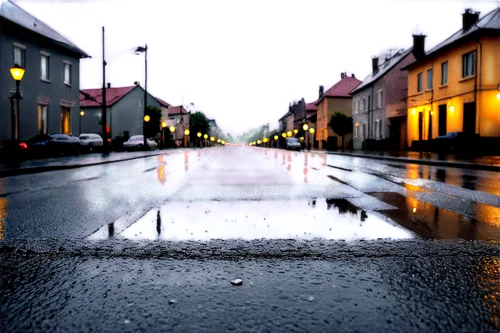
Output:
[[198, 123], [340, 124], [152, 127]]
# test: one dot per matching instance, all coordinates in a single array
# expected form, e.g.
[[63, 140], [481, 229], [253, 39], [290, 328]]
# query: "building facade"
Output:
[[50, 86], [379, 104], [124, 110], [455, 86], [335, 99]]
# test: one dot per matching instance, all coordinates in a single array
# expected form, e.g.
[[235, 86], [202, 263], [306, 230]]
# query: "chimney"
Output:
[[469, 18], [321, 91], [375, 65], [418, 46], [342, 75], [353, 76], [109, 85]]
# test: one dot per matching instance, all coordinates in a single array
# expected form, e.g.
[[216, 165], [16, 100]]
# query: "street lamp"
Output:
[[186, 135], [289, 133], [205, 137], [138, 50], [311, 130], [82, 113], [199, 137], [17, 73]]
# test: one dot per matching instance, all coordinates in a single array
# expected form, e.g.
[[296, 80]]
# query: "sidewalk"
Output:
[[487, 163], [72, 162]]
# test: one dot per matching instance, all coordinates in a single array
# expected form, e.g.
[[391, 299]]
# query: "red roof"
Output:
[[163, 103], [311, 106], [93, 97], [176, 110], [341, 88]]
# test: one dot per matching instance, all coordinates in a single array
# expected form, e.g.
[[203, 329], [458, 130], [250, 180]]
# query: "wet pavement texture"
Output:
[[412, 286], [272, 187], [127, 238]]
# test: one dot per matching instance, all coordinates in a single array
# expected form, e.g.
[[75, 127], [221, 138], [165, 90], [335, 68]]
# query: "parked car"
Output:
[[293, 144], [455, 141], [91, 141], [45, 145], [136, 142]]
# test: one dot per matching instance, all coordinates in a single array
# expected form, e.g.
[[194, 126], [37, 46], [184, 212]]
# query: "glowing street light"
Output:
[[147, 118], [289, 133], [305, 127], [295, 131]]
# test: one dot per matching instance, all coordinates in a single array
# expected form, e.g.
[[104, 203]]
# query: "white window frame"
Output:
[[70, 79], [444, 75], [45, 55], [21, 48], [469, 64], [380, 101], [364, 103], [356, 131]]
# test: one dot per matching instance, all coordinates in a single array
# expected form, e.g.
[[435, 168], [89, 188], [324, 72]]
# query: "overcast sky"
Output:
[[243, 62]]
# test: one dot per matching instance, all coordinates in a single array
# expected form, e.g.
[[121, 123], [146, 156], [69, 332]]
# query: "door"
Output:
[[442, 120], [469, 118], [429, 130], [420, 126], [65, 120]]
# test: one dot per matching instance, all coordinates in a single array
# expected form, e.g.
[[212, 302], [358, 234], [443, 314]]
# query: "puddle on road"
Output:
[[248, 220], [432, 222]]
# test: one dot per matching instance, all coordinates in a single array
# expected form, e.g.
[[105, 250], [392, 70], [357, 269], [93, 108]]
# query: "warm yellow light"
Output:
[[311, 130], [289, 133], [295, 131], [212, 138], [223, 142], [186, 132], [164, 124], [413, 111], [432, 113], [82, 113], [301, 138], [451, 108], [218, 140], [283, 135], [265, 140], [199, 134], [276, 137], [305, 127], [147, 118], [498, 96], [17, 72], [205, 136], [172, 129], [414, 209]]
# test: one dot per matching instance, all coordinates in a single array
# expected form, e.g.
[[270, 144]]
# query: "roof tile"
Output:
[[112, 96]]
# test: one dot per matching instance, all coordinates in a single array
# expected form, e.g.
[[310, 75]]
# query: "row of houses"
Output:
[[52, 101], [414, 95]]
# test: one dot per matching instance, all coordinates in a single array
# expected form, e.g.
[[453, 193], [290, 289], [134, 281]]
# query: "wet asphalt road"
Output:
[[104, 248]]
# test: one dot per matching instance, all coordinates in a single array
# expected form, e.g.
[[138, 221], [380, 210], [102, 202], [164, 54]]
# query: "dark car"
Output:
[[455, 141], [293, 144], [45, 145]]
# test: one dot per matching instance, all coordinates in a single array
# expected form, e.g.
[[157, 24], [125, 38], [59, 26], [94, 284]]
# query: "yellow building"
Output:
[[455, 86]]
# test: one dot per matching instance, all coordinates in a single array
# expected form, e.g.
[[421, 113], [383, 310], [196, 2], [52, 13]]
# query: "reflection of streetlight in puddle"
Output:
[[3, 215], [162, 175], [186, 160], [289, 167], [305, 175]]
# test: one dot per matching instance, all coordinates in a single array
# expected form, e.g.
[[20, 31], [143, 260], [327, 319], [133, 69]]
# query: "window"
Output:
[[42, 119], [469, 64], [444, 73], [429, 79], [139, 102], [369, 102], [380, 98], [356, 131], [378, 128], [65, 120], [419, 82], [67, 73], [364, 104], [45, 67], [20, 55]]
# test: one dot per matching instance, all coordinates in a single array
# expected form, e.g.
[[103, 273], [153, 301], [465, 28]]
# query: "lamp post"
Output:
[[82, 113], [138, 50], [311, 130], [17, 73], [199, 138], [186, 136], [172, 130], [305, 127], [164, 124], [205, 137]]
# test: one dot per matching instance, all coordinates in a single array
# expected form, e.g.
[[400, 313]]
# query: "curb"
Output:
[[461, 165], [45, 168]]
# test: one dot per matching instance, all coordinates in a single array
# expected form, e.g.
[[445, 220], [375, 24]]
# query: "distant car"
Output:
[[45, 145], [91, 141], [454, 141], [136, 142], [293, 144]]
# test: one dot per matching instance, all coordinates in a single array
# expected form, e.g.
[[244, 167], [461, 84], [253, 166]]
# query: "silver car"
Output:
[[91, 141], [136, 142], [293, 144]]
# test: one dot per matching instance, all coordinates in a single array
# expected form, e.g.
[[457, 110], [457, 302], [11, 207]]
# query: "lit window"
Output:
[[42, 119], [356, 131], [429, 79], [20, 56]]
